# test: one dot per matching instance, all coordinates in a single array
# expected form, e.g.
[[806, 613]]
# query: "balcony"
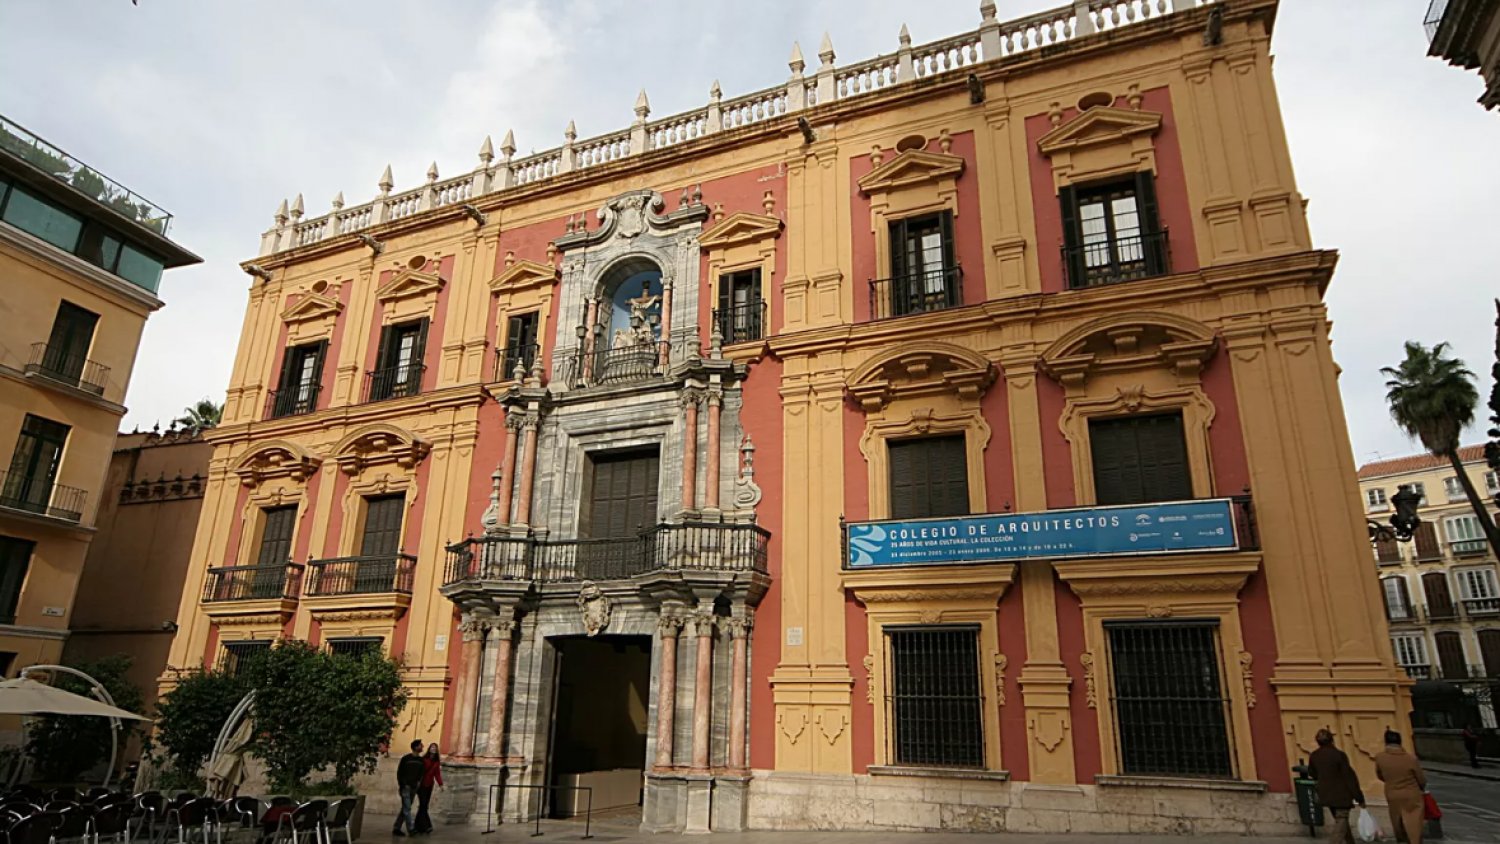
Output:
[[34, 495], [293, 402], [1403, 612], [916, 293], [366, 575], [54, 363], [690, 546], [1481, 607], [604, 367], [394, 382], [1441, 611], [742, 323], [523, 356], [1118, 260], [232, 584], [1469, 547], [1418, 672]]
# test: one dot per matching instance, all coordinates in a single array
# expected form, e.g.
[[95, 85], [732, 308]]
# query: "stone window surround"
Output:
[[742, 241], [277, 493], [522, 287], [368, 483], [913, 183]]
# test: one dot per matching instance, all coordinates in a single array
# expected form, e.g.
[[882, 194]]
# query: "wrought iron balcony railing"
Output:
[[394, 382], [1418, 672], [1441, 612], [510, 357], [19, 491], [253, 583], [624, 365], [366, 575], [741, 323], [1469, 547], [56, 363], [1117, 260], [688, 546], [294, 401], [1482, 606], [916, 293]]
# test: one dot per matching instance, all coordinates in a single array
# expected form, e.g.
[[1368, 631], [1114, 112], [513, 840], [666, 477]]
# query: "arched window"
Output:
[[630, 297]]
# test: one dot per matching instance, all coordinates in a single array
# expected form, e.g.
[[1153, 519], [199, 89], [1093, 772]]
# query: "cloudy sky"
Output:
[[218, 110]]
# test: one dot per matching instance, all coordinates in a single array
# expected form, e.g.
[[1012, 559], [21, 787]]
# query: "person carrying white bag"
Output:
[[1338, 786], [1368, 828]]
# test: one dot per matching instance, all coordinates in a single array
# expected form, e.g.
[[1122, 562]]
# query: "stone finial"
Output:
[[768, 202], [642, 105], [682, 201], [1055, 114], [715, 93], [825, 51], [510, 258], [297, 208], [432, 172], [486, 152], [386, 182], [338, 201], [987, 10], [281, 213], [877, 155], [904, 36], [508, 146], [795, 62], [698, 194], [718, 211], [571, 133]]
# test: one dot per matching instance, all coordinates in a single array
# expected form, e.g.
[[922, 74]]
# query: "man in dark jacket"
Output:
[[1338, 786], [408, 778]]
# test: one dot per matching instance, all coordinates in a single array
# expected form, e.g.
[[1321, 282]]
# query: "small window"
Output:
[[924, 272], [1139, 459], [1375, 499], [521, 346], [1465, 535], [15, 561], [1420, 489], [741, 314], [1450, 654], [1411, 649], [1439, 598], [237, 654], [399, 366], [929, 477], [1453, 489], [1492, 482], [301, 380], [935, 704], [1170, 708], [139, 268], [1111, 232], [36, 216], [276, 535], [355, 647], [1397, 600]]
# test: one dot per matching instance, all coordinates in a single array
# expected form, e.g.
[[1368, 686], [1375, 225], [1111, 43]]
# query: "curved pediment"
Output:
[[1140, 339], [740, 227], [1099, 125], [918, 369], [913, 167], [276, 459], [378, 443]]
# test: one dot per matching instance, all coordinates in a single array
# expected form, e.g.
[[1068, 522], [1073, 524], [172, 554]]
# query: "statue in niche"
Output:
[[594, 606], [642, 330]]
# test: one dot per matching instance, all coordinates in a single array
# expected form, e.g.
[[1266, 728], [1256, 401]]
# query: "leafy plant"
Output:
[[64, 747], [189, 718], [201, 415]]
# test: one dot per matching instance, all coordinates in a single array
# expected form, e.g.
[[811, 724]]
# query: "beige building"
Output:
[[1467, 34], [81, 258], [1441, 591]]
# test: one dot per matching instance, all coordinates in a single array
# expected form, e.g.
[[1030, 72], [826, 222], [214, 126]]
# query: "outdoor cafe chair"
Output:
[[195, 816], [342, 822], [306, 819], [150, 807], [109, 820], [33, 829], [68, 824]]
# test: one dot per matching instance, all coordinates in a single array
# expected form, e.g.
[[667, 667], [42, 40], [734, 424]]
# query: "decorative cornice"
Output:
[[1099, 125], [276, 459], [409, 283], [739, 228], [917, 369], [312, 306], [389, 614], [913, 167], [522, 275], [255, 619], [377, 444]]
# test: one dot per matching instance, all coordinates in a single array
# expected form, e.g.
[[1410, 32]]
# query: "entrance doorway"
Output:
[[599, 722]]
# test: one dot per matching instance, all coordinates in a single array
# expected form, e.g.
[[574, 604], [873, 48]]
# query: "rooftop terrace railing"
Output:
[[34, 150]]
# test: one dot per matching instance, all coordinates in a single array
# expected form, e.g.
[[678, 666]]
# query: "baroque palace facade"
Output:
[[947, 440]]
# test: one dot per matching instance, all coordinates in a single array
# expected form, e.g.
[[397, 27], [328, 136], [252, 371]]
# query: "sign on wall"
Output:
[[1175, 527]]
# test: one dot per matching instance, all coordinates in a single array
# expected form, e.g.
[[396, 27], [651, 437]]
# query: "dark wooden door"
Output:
[[929, 477], [622, 494], [382, 536], [1439, 598], [68, 345], [1450, 649], [1138, 459], [1489, 649], [276, 537], [15, 559], [34, 463]]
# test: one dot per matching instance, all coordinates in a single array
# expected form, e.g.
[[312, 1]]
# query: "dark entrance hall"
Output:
[[600, 721]]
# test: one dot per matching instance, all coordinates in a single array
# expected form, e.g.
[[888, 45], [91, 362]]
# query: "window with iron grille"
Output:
[[1411, 649], [1138, 459], [929, 477], [34, 464], [68, 345], [1477, 584], [1171, 712], [355, 646], [1111, 232], [934, 704], [236, 653], [398, 366], [924, 268], [741, 309], [15, 560], [521, 345], [301, 379]]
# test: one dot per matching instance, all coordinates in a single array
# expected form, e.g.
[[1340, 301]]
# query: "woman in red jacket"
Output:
[[432, 774]]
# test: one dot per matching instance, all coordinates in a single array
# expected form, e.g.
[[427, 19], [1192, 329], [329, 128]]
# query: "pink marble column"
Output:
[[501, 632], [466, 698], [711, 468], [666, 690], [703, 623], [690, 450], [590, 321], [738, 673], [666, 324], [528, 470], [508, 467]]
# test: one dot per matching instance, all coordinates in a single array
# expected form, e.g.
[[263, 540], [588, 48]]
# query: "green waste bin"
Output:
[[1309, 810]]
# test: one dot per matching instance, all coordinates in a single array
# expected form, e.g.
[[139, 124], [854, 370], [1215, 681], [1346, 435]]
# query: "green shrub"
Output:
[[64, 747], [189, 718]]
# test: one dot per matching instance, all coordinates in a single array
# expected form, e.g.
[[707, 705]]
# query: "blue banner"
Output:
[[1175, 527]]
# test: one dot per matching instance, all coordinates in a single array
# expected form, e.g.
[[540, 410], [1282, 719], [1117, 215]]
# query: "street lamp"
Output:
[[1403, 523]]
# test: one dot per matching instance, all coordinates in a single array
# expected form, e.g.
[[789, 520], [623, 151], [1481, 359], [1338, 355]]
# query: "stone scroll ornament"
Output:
[[594, 606]]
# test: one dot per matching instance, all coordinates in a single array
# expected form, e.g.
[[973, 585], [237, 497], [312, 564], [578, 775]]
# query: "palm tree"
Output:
[[1433, 398], [201, 415]]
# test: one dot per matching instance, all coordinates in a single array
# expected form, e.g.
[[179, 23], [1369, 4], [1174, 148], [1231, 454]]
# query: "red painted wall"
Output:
[[856, 624], [300, 548], [236, 529], [729, 195], [1014, 743], [1171, 192], [1086, 761], [526, 243], [762, 419]]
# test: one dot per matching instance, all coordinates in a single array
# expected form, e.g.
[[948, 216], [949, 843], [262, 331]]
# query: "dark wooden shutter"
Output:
[[899, 247], [1067, 197], [385, 350], [1427, 542], [1385, 598], [382, 534], [320, 354], [945, 228], [1439, 598], [1138, 459], [418, 358], [1489, 649], [622, 496], [1450, 651], [1150, 222], [68, 345], [929, 477], [290, 364], [276, 536]]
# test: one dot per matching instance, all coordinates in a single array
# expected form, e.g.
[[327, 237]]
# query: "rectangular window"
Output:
[[301, 380], [34, 465], [382, 534], [68, 345], [929, 477], [521, 346], [1489, 650], [36, 216], [1411, 649], [741, 309], [276, 535], [619, 503], [1453, 489], [1138, 459], [1397, 599], [399, 367], [1491, 482], [15, 561], [1465, 535], [1387, 550], [924, 271], [1477, 584], [139, 268], [1375, 499], [1420, 489], [237, 653], [1426, 543], [934, 701], [1439, 597], [1111, 232], [1170, 708], [1450, 654], [355, 646]]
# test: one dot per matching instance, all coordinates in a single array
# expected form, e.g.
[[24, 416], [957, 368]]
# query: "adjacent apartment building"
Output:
[[81, 258], [1466, 33], [944, 440], [1441, 590]]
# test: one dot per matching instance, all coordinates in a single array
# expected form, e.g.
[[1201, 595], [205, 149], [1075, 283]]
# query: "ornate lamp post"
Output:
[[1403, 523]]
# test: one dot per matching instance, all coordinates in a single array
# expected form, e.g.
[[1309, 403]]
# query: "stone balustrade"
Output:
[[994, 40]]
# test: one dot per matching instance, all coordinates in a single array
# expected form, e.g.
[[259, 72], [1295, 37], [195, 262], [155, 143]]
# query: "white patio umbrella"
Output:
[[28, 697]]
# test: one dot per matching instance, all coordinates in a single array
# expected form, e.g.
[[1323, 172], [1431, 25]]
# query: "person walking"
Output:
[[432, 774], [408, 779], [1338, 786], [1404, 783], [1471, 744]]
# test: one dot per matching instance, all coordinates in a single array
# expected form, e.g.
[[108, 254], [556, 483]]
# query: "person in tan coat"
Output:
[[1404, 783]]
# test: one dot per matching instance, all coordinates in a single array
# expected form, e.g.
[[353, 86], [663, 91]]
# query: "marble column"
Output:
[[531, 425], [711, 468], [666, 323], [467, 696], [703, 626], [591, 322], [738, 674], [501, 632], [690, 450], [666, 691], [508, 466]]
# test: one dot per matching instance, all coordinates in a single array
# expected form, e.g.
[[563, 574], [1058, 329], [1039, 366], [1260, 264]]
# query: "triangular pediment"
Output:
[[913, 167], [1100, 125], [519, 275], [740, 227], [312, 306], [406, 284]]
